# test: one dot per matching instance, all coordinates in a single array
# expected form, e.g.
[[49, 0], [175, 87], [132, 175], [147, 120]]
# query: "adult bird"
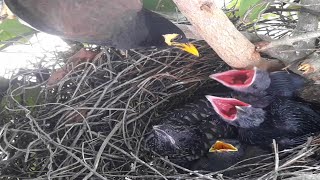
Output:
[[121, 24], [184, 134], [259, 87], [284, 120]]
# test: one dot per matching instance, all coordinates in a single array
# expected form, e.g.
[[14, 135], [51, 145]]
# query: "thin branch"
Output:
[[289, 40]]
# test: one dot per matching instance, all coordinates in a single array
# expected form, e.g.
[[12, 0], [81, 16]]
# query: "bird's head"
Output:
[[223, 154], [252, 81], [236, 112], [167, 139], [181, 42]]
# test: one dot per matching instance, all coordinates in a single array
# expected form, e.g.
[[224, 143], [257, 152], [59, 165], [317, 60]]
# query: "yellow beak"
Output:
[[188, 47], [220, 146]]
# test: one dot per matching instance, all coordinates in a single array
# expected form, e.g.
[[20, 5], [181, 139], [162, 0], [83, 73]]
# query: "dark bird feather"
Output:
[[121, 24], [184, 134], [284, 120]]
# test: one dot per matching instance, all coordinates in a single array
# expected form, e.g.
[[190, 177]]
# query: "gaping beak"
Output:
[[171, 40], [226, 107], [188, 47], [235, 79], [221, 146], [239, 108]]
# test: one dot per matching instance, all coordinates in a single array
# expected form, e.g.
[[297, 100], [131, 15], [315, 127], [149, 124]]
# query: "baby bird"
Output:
[[283, 120], [259, 87], [184, 134], [226, 153], [221, 155], [181, 144]]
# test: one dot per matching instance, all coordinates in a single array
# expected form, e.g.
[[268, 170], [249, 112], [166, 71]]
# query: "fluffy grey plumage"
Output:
[[184, 134]]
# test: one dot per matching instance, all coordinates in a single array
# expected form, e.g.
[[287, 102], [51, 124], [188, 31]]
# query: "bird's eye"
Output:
[[254, 86], [178, 37]]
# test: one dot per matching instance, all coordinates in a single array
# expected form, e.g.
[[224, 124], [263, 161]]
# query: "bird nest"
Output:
[[89, 118]]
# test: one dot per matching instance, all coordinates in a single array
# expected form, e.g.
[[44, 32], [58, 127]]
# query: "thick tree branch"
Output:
[[192, 33], [217, 30]]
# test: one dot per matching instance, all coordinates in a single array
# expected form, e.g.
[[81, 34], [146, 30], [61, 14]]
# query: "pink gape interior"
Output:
[[226, 107], [235, 78]]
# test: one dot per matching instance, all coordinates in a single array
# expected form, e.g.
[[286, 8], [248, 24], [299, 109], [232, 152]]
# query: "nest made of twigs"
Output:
[[91, 124]]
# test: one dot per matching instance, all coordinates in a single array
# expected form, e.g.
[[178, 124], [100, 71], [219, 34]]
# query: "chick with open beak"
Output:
[[184, 134], [236, 112], [258, 87], [283, 120], [221, 155], [225, 153], [259, 82]]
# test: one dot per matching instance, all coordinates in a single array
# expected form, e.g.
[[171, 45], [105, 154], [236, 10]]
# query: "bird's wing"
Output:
[[295, 117]]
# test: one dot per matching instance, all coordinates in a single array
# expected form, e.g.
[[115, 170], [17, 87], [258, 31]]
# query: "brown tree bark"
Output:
[[217, 30]]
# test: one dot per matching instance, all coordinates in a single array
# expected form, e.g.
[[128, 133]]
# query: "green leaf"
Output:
[[12, 28], [160, 5], [250, 10], [245, 5], [234, 4]]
